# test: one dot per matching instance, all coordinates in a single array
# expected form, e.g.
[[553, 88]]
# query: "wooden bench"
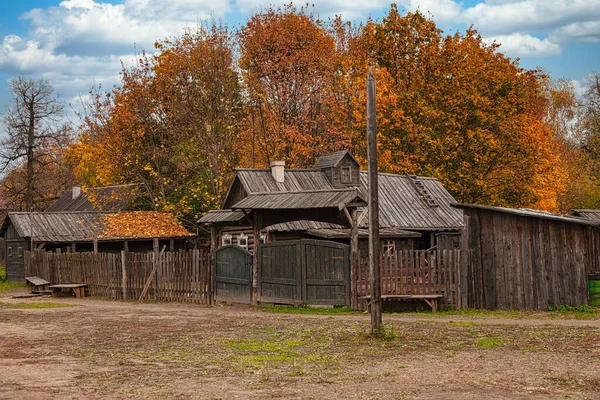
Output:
[[41, 285], [78, 289], [432, 300]]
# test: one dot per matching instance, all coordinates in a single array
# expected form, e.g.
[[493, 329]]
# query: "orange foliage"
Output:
[[143, 224]]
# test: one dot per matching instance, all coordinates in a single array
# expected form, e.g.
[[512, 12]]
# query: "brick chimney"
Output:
[[278, 171], [76, 192]]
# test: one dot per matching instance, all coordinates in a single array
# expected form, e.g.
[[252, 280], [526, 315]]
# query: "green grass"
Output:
[[4, 284], [35, 305], [489, 343], [308, 310]]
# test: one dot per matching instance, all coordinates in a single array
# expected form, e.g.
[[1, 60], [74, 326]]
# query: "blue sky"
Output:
[[77, 43]]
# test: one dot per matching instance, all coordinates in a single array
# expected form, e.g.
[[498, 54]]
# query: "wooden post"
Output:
[[171, 244], [73, 247], [255, 261], [124, 271], [373, 207], [95, 245], [354, 259], [212, 267], [155, 247]]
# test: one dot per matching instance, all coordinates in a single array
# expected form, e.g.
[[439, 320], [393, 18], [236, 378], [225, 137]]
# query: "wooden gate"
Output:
[[233, 275], [304, 271]]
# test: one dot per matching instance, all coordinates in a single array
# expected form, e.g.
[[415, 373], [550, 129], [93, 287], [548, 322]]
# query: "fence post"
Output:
[[124, 272]]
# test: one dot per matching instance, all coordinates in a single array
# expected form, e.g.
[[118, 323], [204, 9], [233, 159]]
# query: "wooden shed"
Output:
[[526, 259], [87, 231]]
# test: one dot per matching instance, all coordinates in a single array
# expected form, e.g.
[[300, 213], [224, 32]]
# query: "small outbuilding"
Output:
[[526, 259], [88, 231]]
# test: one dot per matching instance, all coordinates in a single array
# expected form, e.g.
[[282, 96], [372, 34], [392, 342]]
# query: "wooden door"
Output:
[[233, 275]]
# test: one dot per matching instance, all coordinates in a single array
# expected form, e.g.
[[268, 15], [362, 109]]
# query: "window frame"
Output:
[[262, 239], [8, 251], [225, 238], [388, 247], [244, 237], [20, 252], [349, 176]]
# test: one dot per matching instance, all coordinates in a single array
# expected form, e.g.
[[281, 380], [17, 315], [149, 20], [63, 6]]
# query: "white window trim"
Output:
[[225, 239], [262, 239], [20, 252], [8, 251], [245, 238]]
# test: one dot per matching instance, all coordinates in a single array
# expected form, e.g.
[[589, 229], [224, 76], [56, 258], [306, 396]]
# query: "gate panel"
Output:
[[280, 274], [327, 272], [233, 275]]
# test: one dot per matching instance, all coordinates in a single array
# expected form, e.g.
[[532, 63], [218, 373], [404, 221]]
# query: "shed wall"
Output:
[[517, 262]]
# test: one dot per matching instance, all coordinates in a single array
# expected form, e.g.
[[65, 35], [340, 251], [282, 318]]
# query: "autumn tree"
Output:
[[289, 61], [456, 108], [171, 126], [36, 136]]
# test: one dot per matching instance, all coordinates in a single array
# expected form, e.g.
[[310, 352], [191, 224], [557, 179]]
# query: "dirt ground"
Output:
[[100, 349]]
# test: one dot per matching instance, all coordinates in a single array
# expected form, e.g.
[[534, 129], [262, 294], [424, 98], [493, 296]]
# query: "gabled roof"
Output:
[[108, 198], [331, 160], [221, 216], [593, 215], [261, 180], [59, 227]]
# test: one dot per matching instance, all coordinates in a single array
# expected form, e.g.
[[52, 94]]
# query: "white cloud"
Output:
[[586, 32], [519, 45], [348, 9], [442, 11], [578, 88]]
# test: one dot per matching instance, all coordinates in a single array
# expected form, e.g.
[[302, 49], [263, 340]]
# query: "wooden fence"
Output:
[[182, 276], [414, 272]]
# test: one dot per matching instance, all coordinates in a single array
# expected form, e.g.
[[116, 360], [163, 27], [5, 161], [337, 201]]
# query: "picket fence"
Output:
[[182, 276]]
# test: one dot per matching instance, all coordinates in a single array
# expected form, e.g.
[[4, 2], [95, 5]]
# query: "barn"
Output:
[[87, 231], [526, 259]]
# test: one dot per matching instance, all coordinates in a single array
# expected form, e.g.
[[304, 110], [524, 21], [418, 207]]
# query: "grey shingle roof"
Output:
[[261, 180], [60, 227], [593, 215], [328, 198], [331, 159], [221, 216], [108, 198], [341, 233], [527, 212]]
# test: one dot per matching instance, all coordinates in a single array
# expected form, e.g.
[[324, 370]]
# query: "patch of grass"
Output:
[[308, 310], [35, 305], [6, 285], [489, 343], [463, 323]]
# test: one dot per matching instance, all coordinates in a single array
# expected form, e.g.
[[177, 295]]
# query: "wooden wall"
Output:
[[525, 262]]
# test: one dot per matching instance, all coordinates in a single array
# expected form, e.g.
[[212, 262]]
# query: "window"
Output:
[[9, 251], [263, 238], [243, 241], [389, 246], [346, 175], [20, 252], [226, 240]]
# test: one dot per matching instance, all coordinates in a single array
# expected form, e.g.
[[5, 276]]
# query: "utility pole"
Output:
[[373, 207]]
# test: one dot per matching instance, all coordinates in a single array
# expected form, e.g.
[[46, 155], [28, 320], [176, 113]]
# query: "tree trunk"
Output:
[[30, 159]]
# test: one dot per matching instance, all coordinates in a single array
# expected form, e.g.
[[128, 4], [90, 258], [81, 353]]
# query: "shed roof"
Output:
[[527, 212], [593, 215], [221, 216], [341, 233], [59, 227], [261, 180], [328, 198], [107, 198], [332, 159]]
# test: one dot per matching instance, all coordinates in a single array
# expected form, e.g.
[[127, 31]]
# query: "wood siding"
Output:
[[524, 262]]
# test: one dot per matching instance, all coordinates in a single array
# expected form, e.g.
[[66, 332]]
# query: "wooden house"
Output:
[[415, 212], [526, 259], [87, 231]]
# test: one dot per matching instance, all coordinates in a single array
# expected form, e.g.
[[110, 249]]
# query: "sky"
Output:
[[79, 43]]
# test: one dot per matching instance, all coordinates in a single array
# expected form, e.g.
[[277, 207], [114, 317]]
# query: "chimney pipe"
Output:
[[278, 171], [76, 192]]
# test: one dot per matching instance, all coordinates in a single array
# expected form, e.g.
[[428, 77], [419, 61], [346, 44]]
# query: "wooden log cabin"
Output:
[[415, 212]]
